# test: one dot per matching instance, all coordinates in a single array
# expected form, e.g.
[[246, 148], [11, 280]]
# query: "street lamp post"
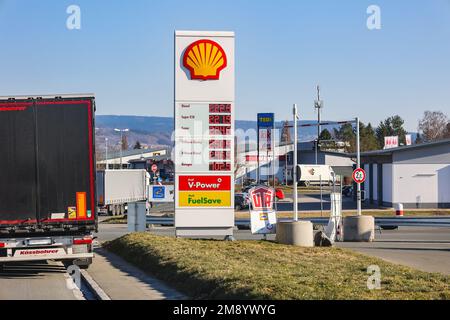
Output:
[[294, 173], [318, 105], [121, 143], [106, 153]]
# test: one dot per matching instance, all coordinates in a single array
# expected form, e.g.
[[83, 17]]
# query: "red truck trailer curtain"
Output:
[[46, 159]]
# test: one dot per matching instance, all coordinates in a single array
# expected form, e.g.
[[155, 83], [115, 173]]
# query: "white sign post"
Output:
[[263, 218], [204, 133], [331, 230]]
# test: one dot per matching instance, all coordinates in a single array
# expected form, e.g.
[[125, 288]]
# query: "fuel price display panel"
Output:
[[204, 137]]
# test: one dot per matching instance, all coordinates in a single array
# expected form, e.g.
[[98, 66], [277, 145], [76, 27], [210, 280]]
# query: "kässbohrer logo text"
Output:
[[49, 251]]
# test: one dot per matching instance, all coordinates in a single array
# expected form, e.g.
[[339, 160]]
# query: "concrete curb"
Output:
[[93, 286]]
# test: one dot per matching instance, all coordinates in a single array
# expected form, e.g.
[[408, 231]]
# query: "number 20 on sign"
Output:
[[359, 176]]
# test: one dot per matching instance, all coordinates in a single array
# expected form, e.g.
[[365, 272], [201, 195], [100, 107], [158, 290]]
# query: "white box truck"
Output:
[[310, 174], [117, 188]]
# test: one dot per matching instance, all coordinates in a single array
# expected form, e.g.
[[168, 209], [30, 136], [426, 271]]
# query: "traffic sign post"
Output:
[[154, 169], [359, 228], [359, 176], [358, 166]]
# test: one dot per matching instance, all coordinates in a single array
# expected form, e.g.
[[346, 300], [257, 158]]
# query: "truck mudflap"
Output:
[[46, 248]]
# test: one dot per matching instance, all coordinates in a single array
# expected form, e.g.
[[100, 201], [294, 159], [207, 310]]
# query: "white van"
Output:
[[311, 174]]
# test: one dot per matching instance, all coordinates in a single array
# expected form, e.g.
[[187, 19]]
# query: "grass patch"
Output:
[[206, 269], [116, 220]]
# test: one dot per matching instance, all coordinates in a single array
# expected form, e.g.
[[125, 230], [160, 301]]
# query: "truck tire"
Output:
[[389, 227], [85, 264]]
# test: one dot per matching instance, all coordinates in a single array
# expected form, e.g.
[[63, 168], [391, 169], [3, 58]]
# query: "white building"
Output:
[[131, 155], [417, 176]]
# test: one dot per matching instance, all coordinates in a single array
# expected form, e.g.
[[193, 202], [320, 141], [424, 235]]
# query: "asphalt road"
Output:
[[37, 281], [426, 249], [108, 232], [312, 202], [307, 202]]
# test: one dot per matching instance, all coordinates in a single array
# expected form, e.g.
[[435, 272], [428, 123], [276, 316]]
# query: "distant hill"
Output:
[[157, 131], [136, 123]]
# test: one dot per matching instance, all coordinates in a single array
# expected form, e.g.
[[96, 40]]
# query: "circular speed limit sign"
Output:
[[359, 176]]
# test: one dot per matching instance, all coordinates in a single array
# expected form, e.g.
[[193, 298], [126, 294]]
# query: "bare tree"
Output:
[[433, 125], [286, 133], [124, 143]]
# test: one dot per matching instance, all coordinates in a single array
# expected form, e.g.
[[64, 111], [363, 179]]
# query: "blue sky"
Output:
[[124, 54]]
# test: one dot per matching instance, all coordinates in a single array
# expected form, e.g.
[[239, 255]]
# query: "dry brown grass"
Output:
[[264, 270], [115, 220]]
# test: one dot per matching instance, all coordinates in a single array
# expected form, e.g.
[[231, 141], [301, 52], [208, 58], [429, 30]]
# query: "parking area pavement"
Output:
[[426, 249]]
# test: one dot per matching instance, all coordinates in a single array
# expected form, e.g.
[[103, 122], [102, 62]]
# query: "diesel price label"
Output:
[[219, 310]]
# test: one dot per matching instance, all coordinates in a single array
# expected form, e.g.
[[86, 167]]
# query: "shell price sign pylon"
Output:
[[204, 133]]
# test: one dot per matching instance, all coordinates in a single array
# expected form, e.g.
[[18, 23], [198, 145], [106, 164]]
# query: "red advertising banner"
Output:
[[390, 142], [254, 158], [204, 183], [262, 198]]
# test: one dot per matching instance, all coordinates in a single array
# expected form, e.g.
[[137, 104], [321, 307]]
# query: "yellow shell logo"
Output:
[[205, 59]]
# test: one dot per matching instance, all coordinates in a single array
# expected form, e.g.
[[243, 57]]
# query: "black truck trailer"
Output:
[[48, 205]]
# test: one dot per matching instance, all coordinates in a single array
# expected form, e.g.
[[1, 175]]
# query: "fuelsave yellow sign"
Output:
[[205, 199]]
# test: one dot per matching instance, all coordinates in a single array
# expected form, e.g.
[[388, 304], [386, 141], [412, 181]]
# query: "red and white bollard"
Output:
[[399, 210]]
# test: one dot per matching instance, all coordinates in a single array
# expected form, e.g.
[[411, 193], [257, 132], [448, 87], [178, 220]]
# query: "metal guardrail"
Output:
[[164, 221], [381, 222], [413, 222]]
